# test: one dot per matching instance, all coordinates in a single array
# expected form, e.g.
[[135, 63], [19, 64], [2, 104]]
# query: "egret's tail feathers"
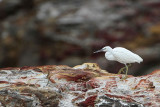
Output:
[[140, 60]]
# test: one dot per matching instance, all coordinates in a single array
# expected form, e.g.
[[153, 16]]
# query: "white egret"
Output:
[[121, 55]]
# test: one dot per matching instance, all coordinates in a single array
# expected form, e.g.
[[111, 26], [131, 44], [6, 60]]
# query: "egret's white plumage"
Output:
[[121, 55]]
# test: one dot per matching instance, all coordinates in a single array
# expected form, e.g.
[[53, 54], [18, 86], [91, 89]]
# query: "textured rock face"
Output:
[[84, 85]]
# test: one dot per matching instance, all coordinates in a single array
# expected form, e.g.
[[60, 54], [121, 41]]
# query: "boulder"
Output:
[[85, 85]]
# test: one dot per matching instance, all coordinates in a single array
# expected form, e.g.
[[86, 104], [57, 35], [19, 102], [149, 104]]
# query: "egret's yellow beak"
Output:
[[99, 51]]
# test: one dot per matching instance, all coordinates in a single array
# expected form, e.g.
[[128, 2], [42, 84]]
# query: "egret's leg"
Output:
[[129, 65], [121, 70], [126, 70]]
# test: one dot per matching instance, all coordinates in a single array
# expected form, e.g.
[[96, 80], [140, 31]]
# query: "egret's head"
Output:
[[104, 49]]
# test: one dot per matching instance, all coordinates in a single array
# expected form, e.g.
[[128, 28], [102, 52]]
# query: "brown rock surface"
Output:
[[84, 85]]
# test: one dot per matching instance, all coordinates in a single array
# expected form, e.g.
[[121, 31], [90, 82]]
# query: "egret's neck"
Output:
[[109, 49]]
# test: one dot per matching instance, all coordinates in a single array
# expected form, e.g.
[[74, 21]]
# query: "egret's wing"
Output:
[[125, 56]]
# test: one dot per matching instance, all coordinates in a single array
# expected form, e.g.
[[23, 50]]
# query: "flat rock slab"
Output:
[[84, 85]]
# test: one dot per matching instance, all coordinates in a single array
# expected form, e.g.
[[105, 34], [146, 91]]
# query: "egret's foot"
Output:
[[124, 78]]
